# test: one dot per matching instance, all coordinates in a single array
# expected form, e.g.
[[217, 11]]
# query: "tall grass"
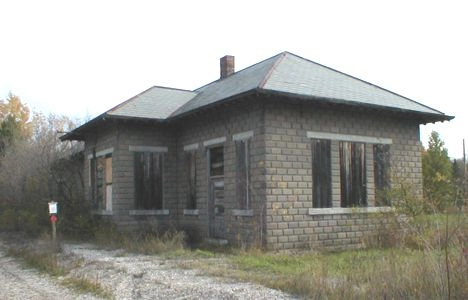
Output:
[[146, 241], [369, 274]]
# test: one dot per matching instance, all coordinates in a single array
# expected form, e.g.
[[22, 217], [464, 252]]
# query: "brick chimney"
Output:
[[227, 66]]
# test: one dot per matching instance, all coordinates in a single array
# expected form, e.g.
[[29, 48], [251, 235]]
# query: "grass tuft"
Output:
[[86, 286]]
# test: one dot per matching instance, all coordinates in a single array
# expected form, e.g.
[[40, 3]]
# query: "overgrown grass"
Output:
[[168, 243], [417, 268], [43, 261], [377, 273]]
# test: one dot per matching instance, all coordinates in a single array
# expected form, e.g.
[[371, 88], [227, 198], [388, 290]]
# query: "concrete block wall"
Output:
[[224, 122], [337, 231], [152, 136], [119, 137], [288, 170]]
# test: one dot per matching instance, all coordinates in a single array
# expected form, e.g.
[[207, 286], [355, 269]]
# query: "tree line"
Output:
[[37, 168]]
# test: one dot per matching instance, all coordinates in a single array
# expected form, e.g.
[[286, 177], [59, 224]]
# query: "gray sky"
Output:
[[81, 58]]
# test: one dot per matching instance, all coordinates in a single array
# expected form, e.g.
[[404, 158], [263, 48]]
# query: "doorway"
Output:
[[217, 226]]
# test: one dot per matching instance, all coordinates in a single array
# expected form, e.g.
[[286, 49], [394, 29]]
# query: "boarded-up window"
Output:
[[191, 179], [382, 174], [243, 173], [321, 173], [101, 181], [148, 180], [217, 161], [353, 174]]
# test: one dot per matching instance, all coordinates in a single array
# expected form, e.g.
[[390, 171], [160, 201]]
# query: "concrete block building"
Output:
[[286, 153]]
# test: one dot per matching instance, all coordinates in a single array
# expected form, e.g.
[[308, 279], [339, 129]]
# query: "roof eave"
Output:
[[79, 133], [422, 117], [75, 134]]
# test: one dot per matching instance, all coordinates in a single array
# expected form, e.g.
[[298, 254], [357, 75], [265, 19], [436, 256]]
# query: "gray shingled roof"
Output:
[[238, 83], [285, 73], [293, 75], [154, 103]]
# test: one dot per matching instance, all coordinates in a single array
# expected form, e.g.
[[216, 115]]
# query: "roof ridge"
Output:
[[127, 101], [273, 67], [145, 91], [240, 71]]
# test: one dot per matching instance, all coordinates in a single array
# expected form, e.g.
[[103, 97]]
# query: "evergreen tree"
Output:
[[439, 188]]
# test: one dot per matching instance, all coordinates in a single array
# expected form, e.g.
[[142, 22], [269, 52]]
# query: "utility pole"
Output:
[[464, 169]]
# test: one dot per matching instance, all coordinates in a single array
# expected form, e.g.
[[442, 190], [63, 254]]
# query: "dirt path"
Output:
[[20, 283], [152, 277]]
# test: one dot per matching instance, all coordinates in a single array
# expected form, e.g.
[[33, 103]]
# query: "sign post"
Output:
[[53, 209]]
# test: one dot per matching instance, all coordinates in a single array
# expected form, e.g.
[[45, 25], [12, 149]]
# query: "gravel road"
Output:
[[126, 277]]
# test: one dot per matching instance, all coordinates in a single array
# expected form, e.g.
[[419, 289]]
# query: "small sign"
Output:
[[53, 218], [53, 208]]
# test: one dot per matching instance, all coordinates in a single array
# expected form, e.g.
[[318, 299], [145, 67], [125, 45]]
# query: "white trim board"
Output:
[[242, 135], [102, 153], [348, 137], [215, 141], [147, 148], [191, 147]]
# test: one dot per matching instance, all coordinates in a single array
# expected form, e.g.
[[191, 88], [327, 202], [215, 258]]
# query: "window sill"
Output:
[[348, 210], [191, 212], [103, 212], [149, 212], [243, 212]]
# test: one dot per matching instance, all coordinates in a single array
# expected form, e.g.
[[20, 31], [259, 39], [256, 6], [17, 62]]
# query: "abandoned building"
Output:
[[286, 153]]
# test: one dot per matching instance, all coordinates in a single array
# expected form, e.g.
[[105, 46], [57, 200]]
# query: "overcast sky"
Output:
[[81, 58]]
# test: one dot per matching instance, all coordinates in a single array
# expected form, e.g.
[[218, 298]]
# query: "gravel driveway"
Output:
[[126, 276]]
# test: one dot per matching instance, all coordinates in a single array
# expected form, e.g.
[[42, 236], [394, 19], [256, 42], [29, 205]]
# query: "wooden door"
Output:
[[217, 226], [216, 208]]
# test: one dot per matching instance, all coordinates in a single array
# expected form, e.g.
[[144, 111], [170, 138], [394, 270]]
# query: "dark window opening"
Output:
[[321, 173], [382, 174], [148, 180], [93, 181], [217, 161], [353, 174], [191, 179], [243, 174]]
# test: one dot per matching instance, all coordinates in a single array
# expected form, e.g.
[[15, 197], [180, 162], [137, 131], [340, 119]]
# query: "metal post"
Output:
[[54, 233]]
